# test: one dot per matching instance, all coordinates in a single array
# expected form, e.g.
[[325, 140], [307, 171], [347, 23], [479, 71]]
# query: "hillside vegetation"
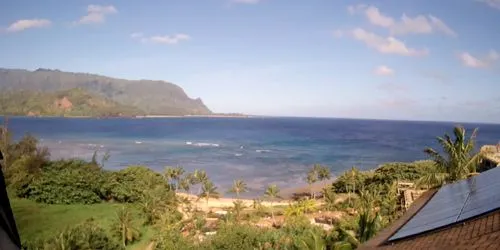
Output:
[[152, 97], [73, 102]]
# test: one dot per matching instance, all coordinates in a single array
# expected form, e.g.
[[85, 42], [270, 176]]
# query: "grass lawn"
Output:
[[35, 220]]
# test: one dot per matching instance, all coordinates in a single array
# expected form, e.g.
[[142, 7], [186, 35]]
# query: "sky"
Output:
[[385, 59]]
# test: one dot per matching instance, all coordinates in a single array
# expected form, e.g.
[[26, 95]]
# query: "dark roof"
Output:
[[460, 214]]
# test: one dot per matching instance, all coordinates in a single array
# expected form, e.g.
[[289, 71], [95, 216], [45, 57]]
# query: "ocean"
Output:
[[259, 150]]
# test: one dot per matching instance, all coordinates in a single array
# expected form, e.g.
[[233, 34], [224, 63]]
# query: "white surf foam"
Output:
[[202, 144], [262, 150]]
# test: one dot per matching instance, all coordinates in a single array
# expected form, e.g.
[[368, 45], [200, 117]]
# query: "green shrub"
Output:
[[67, 182], [403, 171], [348, 183], [171, 239], [234, 236], [84, 236], [132, 183]]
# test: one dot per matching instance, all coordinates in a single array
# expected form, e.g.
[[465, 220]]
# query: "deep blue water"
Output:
[[259, 150]]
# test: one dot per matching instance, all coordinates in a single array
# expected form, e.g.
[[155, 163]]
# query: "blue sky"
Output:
[[413, 60]]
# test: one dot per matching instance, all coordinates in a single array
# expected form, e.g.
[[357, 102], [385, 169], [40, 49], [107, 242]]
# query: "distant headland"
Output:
[[46, 92]]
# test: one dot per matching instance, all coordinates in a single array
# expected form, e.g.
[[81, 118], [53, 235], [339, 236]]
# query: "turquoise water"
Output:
[[259, 150]]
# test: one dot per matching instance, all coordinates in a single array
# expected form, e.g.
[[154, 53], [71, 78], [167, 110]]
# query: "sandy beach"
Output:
[[286, 197]]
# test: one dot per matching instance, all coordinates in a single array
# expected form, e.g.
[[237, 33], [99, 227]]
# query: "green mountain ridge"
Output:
[[73, 102], [151, 97]]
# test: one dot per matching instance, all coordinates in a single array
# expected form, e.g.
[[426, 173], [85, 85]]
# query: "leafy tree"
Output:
[[171, 238], [457, 162], [402, 171], [132, 184], [23, 161], [209, 190], [239, 186], [157, 202], [272, 193], [67, 182], [123, 227]]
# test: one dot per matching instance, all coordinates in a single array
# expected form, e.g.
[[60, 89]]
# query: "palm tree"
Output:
[[174, 174], [308, 205], [185, 183], [368, 220], [208, 190], [272, 192], [312, 242], [124, 228], [239, 186], [312, 177], [390, 199], [352, 178], [294, 209], [330, 198], [324, 173], [238, 208], [457, 162], [367, 226], [169, 174], [199, 177], [346, 240]]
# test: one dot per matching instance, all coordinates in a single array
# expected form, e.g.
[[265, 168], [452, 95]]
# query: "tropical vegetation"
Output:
[[78, 204]]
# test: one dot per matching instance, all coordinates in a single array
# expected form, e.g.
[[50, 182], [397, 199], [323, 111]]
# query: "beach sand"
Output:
[[286, 195]]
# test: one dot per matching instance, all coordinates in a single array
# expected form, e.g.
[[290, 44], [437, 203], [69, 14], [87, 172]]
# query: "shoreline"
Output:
[[287, 195], [130, 117]]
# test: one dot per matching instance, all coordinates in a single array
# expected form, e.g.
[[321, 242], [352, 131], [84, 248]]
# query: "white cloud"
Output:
[[475, 62], [97, 14], [173, 39], [246, 1], [407, 25], [470, 61], [383, 70], [440, 25], [24, 24], [492, 3], [377, 18], [389, 45]]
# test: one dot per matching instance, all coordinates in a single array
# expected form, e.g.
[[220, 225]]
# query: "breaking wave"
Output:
[[262, 150], [202, 144]]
